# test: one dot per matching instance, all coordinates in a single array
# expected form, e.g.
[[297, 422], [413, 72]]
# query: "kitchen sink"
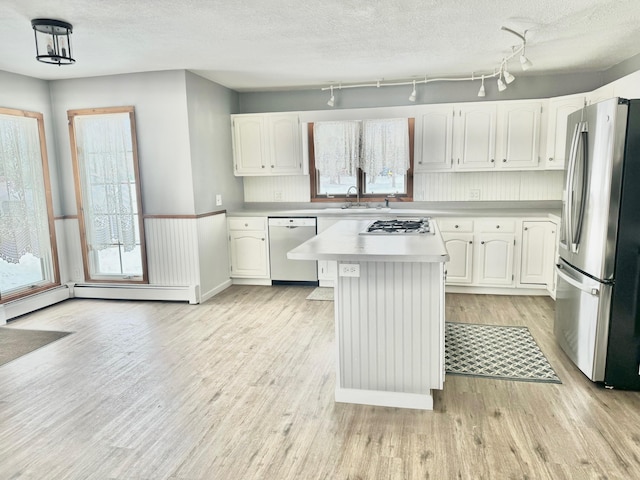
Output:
[[357, 209]]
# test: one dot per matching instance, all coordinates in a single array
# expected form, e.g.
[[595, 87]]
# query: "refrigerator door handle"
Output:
[[583, 140], [568, 227], [573, 282]]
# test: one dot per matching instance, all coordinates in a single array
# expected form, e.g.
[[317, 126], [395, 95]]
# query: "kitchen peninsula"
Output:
[[389, 312]]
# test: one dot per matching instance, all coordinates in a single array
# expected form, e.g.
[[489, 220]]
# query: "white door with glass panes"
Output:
[[519, 134], [460, 265], [433, 141], [495, 259], [475, 136]]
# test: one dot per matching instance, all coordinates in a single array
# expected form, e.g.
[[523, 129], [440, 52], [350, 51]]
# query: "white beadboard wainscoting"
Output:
[[492, 186], [428, 187], [389, 307]]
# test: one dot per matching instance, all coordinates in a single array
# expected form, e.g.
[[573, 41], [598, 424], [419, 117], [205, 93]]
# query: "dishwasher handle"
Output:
[[292, 222]]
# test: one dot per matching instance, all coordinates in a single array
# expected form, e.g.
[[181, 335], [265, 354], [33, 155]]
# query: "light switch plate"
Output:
[[218, 200]]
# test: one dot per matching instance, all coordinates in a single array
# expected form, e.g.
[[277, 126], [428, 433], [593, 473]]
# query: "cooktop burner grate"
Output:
[[398, 226]]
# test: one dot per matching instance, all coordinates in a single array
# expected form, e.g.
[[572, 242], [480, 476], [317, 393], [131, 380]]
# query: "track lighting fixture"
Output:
[[504, 77], [412, 97], [332, 100], [481, 92], [501, 85]]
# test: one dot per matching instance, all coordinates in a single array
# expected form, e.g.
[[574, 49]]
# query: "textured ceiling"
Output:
[[251, 45]]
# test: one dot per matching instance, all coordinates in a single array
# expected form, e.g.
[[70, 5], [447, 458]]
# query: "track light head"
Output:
[[481, 92], [332, 100], [508, 77], [501, 85], [525, 63], [412, 97]]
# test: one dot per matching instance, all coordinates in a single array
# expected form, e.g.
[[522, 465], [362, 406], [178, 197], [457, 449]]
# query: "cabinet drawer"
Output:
[[247, 223], [453, 225], [497, 226]]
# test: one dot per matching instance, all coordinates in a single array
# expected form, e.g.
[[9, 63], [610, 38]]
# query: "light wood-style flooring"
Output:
[[241, 387]]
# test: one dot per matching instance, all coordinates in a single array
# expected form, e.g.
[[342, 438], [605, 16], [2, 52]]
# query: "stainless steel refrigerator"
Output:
[[597, 320]]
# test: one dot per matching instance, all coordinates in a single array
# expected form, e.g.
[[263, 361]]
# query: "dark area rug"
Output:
[[16, 342], [495, 351]]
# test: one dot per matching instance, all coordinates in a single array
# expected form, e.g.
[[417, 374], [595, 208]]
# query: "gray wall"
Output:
[[26, 93], [208, 107], [524, 87], [162, 131]]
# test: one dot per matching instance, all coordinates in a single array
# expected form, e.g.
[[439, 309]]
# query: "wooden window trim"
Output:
[[361, 176], [71, 114], [49, 201]]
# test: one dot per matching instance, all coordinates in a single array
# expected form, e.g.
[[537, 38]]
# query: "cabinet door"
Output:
[[475, 137], [434, 139], [249, 150], [249, 254], [627, 86], [460, 265], [495, 259], [519, 134], [603, 93], [284, 144], [327, 272], [533, 268], [559, 109]]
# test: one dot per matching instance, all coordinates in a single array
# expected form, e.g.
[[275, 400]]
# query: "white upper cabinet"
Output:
[[519, 135], [559, 109], [603, 93], [434, 139], [267, 144], [475, 136], [628, 86]]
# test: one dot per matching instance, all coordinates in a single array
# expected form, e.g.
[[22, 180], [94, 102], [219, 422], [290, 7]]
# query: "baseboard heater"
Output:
[[31, 303], [188, 293]]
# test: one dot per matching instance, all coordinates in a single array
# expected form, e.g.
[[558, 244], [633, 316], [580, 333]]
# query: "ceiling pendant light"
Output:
[[412, 97], [53, 41], [481, 92], [332, 100], [501, 85]]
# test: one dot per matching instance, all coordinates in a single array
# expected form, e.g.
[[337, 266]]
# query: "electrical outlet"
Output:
[[277, 196], [349, 270], [218, 200], [474, 194]]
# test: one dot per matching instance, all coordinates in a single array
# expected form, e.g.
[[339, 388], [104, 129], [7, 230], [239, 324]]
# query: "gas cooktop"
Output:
[[399, 227]]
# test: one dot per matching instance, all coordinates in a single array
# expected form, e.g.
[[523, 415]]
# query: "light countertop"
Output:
[[343, 241]]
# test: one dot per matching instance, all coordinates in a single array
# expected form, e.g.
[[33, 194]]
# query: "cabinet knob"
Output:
[[482, 242], [504, 160], [470, 242], [262, 239], [497, 226], [493, 160], [420, 162], [456, 226], [262, 166], [526, 228], [246, 224], [271, 166], [551, 159]]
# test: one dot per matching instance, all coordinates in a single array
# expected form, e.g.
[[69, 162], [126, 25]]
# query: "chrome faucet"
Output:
[[357, 194]]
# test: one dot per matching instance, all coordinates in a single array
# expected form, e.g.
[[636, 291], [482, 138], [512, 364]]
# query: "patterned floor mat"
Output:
[[495, 351]]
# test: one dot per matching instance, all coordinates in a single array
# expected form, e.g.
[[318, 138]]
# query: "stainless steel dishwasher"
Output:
[[285, 234]]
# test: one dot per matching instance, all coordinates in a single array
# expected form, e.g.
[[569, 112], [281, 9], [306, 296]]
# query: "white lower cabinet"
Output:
[[327, 272], [538, 253], [500, 253], [495, 259], [248, 247]]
